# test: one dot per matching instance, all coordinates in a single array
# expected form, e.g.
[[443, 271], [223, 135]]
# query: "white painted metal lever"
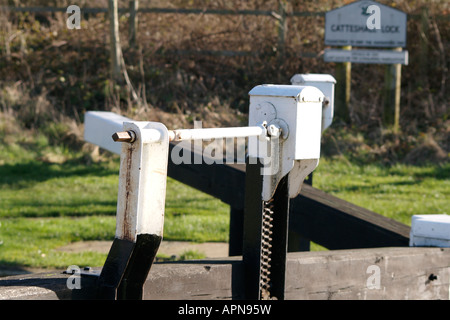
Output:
[[153, 135], [216, 133]]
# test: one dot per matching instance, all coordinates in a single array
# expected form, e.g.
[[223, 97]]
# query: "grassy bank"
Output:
[[45, 205], [397, 191]]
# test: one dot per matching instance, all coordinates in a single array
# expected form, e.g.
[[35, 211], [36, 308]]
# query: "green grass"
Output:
[[44, 206], [47, 205], [397, 192], [37, 189], [33, 242], [193, 215]]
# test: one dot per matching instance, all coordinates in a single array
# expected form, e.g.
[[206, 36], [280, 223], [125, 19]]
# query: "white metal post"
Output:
[[140, 211], [142, 181]]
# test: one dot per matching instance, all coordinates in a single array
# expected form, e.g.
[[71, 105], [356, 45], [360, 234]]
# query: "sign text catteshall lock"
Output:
[[348, 26]]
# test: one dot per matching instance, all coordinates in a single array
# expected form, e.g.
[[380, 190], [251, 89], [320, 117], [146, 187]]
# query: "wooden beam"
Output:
[[314, 214], [337, 224], [403, 274], [392, 95], [343, 88]]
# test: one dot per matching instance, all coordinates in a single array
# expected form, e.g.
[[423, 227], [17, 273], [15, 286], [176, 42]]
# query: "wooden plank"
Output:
[[45, 286], [404, 274], [233, 53], [314, 214], [343, 88], [338, 224], [253, 236]]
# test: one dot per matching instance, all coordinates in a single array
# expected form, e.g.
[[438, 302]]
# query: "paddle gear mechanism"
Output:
[[284, 132]]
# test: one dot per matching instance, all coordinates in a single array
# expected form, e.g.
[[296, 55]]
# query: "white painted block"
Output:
[[325, 83], [300, 107], [99, 126], [431, 230]]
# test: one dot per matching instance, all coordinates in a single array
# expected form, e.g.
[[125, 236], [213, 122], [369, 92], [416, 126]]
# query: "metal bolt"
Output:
[[273, 130], [124, 136]]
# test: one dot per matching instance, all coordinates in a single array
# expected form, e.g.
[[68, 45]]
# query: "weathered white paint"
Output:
[[142, 181], [300, 107], [216, 133], [430, 230], [299, 110], [99, 126], [325, 83], [301, 169]]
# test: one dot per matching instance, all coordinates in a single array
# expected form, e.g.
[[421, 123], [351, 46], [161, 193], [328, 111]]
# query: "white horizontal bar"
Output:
[[215, 133], [151, 135], [99, 126]]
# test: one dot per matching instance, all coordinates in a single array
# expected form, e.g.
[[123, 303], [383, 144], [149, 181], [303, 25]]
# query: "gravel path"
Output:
[[168, 248]]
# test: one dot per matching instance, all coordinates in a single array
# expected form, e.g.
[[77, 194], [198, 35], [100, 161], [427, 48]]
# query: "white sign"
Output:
[[366, 56], [365, 24]]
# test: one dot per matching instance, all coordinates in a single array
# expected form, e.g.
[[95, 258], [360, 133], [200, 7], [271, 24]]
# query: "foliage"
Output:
[[172, 71], [52, 75]]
